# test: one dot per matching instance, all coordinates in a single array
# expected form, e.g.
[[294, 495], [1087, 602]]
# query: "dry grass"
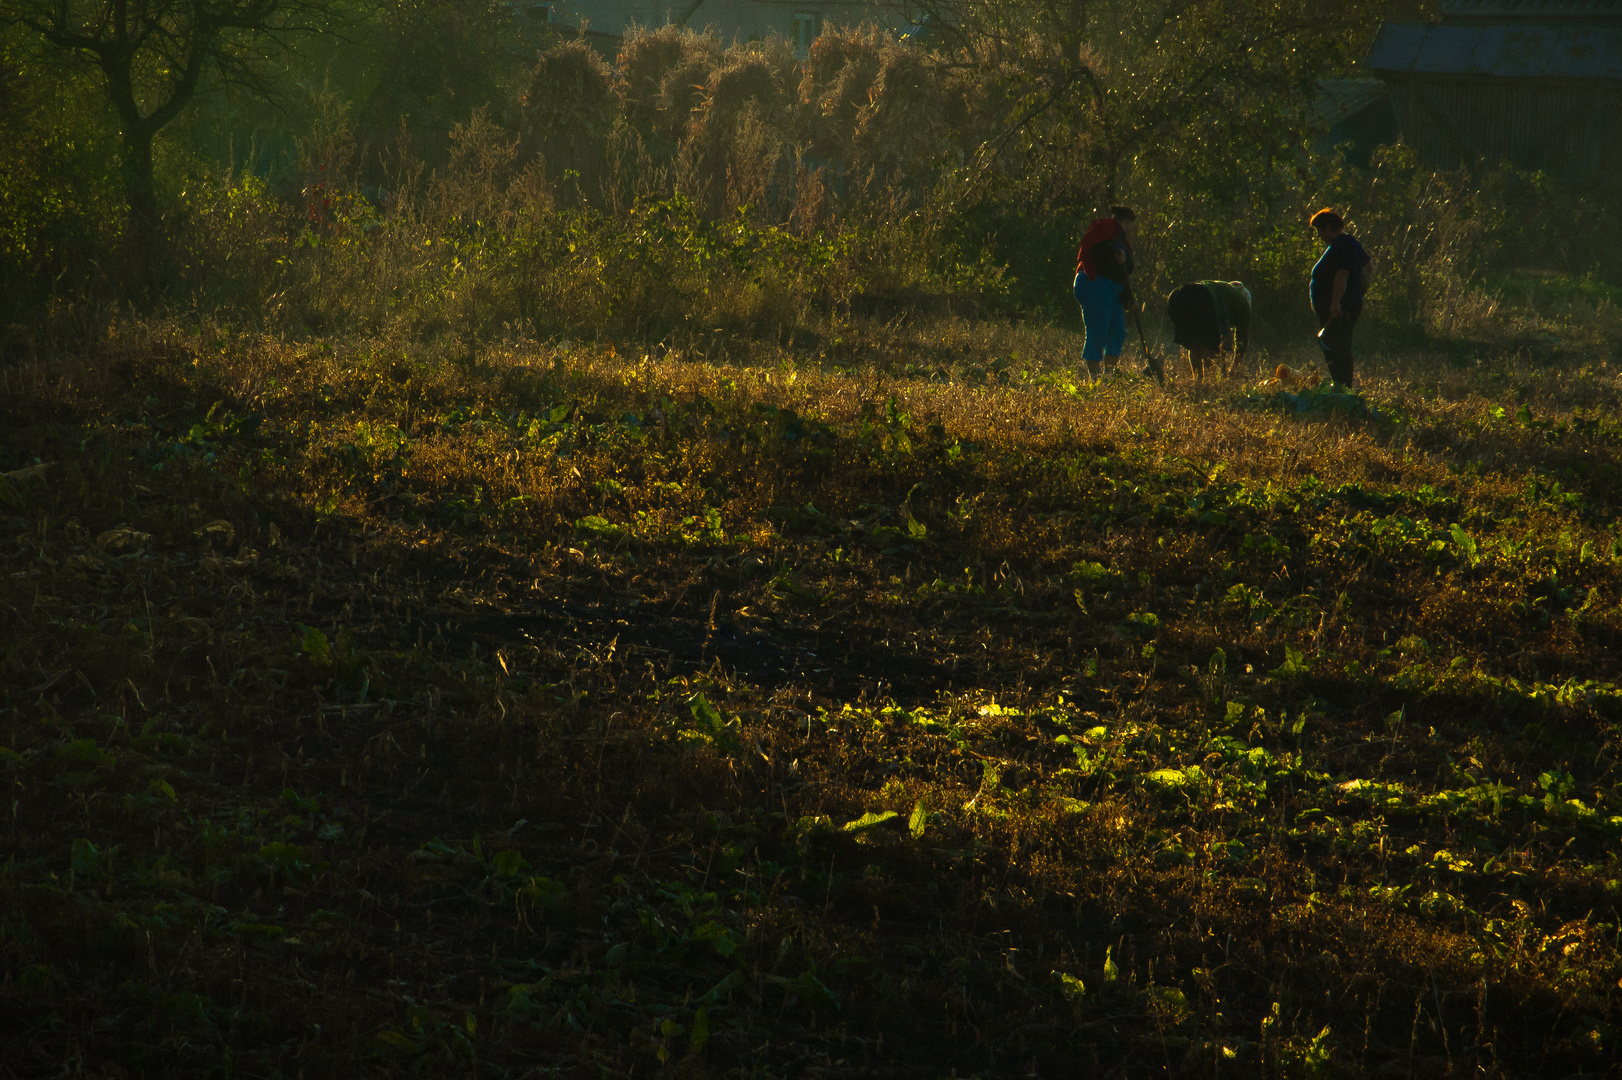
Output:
[[1212, 747]]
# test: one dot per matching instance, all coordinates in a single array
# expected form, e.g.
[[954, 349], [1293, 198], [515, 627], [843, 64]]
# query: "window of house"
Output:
[[805, 32]]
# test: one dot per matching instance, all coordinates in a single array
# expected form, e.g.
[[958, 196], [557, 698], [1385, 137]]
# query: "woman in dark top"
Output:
[[1339, 280]]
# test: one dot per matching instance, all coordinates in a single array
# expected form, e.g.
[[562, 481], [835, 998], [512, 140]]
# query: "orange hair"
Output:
[[1328, 219]]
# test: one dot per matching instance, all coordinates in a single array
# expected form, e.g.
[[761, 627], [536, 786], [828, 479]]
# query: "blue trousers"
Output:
[[1101, 311]]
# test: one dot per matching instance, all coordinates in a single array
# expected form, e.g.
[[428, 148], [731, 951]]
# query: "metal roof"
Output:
[[1549, 11], [1514, 51], [1340, 98]]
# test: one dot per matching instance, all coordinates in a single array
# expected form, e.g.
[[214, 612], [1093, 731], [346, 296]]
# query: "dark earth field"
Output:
[[369, 711]]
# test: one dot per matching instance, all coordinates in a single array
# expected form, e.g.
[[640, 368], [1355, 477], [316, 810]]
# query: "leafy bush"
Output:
[[693, 186]]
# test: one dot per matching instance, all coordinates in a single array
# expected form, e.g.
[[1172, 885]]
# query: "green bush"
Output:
[[694, 187]]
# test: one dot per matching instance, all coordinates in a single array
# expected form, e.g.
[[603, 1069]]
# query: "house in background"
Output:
[[1358, 116], [800, 21], [1536, 83]]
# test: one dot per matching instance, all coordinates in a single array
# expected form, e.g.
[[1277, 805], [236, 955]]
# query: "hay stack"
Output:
[[663, 71], [909, 120], [570, 93], [736, 135], [745, 80], [644, 60], [836, 85], [682, 94]]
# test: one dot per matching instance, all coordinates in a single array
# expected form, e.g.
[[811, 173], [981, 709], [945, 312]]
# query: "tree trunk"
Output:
[[1077, 28], [140, 189], [148, 258], [147, 246]]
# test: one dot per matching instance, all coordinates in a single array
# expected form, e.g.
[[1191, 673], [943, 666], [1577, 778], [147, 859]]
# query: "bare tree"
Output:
[[156, 56]]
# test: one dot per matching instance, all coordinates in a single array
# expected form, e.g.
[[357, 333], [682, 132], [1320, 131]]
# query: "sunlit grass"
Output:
[[601, 702]]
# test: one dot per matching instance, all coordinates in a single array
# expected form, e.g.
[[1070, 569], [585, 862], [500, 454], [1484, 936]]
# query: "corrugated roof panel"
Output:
[[1595, 54], [1523, 51], [1340, 98], [1489, 47], [1446, 51], [1396, 46], [1478, 11]]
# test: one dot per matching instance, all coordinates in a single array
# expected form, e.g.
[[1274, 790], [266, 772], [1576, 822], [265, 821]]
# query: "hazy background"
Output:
[[451, 171]]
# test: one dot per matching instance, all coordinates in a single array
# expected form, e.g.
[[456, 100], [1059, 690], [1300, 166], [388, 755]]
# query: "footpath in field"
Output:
[[368, 712]]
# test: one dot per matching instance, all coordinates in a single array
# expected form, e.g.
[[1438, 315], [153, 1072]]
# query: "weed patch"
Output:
[[655, 710]]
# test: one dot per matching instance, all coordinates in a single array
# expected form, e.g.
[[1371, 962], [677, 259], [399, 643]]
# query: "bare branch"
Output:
[[156, 56]]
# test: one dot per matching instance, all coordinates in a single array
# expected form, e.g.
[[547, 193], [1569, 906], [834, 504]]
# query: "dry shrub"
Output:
[[477, 180], [690, 175], [765, 309], [1433, 235], [1529, 315], [233, 245], [753, 157], [484, 186], [812, 205], [630, 175], [380, 264], [767, 306], [328, 152]]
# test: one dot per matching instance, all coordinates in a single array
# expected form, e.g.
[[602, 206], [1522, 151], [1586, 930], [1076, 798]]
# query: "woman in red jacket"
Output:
[[1103, 266]]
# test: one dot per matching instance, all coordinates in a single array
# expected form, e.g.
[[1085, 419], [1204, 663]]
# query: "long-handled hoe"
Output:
[[1153, 365]]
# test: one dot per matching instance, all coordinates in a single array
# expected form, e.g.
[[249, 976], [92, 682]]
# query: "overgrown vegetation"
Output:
[[696, 184], [581, 708], [643, 584]]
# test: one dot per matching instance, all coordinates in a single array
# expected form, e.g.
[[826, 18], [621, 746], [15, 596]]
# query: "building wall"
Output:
[[1359, 134], [1569, 129]]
